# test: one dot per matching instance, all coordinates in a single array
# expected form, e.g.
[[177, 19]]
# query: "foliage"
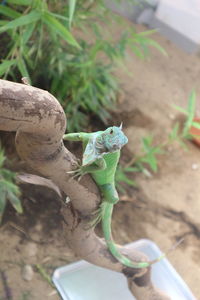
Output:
[[150, 150], [189, 112], [9, 191], [41, 45], [121, 177]]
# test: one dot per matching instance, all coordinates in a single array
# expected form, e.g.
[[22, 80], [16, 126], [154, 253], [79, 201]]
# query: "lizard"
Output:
[[101, 153]]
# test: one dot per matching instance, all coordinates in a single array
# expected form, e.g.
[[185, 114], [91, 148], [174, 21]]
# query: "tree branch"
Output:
[[40, 122]]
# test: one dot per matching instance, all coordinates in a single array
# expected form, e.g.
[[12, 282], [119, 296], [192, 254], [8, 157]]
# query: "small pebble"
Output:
[[67, 200], [31, 249], [171, 116], [195, 166], [147, 173], [27, 273]]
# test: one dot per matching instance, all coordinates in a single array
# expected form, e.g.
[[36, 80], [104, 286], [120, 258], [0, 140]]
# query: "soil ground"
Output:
[[164, 207]]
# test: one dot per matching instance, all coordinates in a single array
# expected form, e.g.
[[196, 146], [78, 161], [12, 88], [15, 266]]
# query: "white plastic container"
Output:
[[84, 281]]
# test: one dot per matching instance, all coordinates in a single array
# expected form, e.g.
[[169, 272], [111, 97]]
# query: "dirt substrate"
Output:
[[164, 207]]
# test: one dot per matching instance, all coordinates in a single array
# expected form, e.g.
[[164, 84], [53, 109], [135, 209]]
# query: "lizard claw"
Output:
[[78, 173]]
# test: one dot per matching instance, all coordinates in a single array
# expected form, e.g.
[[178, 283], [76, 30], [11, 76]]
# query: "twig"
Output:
[[7, 289], [44, 274]]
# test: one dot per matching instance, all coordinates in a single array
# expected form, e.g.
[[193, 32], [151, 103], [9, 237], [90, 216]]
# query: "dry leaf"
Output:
[[35, 179]]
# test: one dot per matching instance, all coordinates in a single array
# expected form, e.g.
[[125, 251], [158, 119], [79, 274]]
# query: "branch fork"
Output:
[[39, 122]]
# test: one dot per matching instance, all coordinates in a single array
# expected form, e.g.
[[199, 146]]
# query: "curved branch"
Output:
[[40, 122]]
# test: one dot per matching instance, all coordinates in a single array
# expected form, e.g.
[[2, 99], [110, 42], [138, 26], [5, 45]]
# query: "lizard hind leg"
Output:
[[97, 215]]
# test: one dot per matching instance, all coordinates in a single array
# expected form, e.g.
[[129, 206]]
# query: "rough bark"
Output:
[[39, 122]]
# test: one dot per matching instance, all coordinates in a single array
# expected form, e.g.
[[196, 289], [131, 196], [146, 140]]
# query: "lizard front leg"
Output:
[[98, 165], [110, 196], [76, 137]]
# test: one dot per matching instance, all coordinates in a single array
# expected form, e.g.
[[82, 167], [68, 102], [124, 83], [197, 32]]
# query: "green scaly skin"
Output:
[[102, 163]]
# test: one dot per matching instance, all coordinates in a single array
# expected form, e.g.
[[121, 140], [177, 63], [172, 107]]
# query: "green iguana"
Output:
[[100, 158]]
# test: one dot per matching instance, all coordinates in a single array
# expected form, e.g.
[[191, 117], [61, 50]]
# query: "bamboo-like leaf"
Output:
[[196, 124], [15, 201], [2, 22], [137, 51], [5, 65], [191, 104], [58, 16], [28, 32], [72, 5], [9, 12], [153, 43], [131, 169], [174, 133], [151, 161], [33, 16], [23, 69], [2, 201], [190, 113], [20, 2], [147, 141], [57, 27], [10, 186], [148, 32], [7, 174], [2, 158], [184, 111], [121, 177]]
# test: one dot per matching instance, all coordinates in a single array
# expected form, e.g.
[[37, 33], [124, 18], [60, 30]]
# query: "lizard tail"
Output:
[[107, 209]]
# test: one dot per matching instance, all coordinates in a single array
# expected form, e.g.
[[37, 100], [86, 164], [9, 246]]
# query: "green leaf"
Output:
[[10, 186], [23, 69], [28, 32], [153, 43], [148, 32], [9, 12], [190, 113], [2, 158], [33, 16], [196, 124], [58, 16], [184, 111], [3, 22], [12, 193], [15, 201], [137, 51], [147, 141], [5, 65], [191, 105], [131, 169], [57, 27], [122, 177], [20, 2], [7, 174], [151, 161], [183, 145], [174, 133], [72, 5], [2, 201]]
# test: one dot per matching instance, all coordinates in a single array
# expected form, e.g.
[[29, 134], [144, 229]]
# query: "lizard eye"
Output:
[[111, 131]]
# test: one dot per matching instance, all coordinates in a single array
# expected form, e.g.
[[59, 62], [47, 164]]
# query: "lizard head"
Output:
[[113, 138]]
